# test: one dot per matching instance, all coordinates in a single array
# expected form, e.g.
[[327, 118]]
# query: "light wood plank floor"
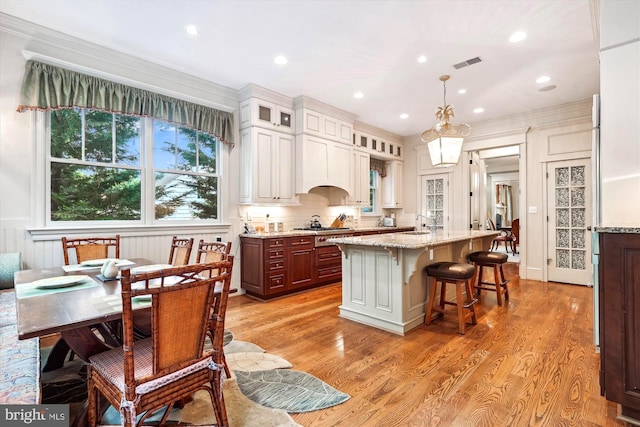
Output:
[[529, 363]]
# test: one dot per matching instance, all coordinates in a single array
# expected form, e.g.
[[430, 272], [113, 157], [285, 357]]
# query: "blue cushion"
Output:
[[9, 264]]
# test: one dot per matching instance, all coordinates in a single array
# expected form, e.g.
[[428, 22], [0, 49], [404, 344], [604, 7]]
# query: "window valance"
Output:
[[378, 165], [48, 87]]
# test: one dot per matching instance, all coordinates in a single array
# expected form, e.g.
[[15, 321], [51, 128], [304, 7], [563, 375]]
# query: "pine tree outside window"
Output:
[[102, 166]]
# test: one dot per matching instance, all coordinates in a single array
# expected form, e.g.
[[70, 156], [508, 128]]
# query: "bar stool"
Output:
[[459, 275], [495, 260]]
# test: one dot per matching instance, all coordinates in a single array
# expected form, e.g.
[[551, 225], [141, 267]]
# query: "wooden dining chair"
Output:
[[212, 251], [503, 237], [180, 251], [515, 232], [144, 376], [88, 248]]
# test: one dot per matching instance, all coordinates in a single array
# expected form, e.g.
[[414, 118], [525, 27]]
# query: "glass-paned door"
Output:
[[435, 201], [569, 206]]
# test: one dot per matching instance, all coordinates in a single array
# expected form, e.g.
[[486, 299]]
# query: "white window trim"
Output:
[[376, 208], [43, 230]]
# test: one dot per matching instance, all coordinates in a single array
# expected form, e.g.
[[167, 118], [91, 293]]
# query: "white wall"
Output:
[[557, 133], [620, 112], [20, 220]]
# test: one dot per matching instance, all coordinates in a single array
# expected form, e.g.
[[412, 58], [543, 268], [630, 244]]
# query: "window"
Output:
[[374, 193], [112, 167]]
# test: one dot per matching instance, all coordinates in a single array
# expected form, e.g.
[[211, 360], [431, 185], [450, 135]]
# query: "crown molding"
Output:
[[303, 101], [253, 90], [56, 48], [379, 132]]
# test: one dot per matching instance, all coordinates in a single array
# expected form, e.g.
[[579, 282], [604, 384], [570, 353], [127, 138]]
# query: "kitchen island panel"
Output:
[[384, 282]]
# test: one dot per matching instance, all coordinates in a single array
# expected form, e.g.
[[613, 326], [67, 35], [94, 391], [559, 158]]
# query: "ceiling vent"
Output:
[[467, 63]]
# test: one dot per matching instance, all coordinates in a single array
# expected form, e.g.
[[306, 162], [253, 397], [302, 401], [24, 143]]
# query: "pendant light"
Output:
[[444, 140]]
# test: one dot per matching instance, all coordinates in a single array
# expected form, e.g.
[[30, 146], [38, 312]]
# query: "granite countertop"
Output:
[[620, 228], [413, 240], [294, 233]]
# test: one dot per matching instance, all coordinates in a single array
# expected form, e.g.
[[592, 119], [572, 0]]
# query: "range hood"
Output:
[[322, 163]]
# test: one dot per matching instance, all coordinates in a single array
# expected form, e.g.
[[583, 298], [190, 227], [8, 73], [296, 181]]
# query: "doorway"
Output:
[[495, 188]]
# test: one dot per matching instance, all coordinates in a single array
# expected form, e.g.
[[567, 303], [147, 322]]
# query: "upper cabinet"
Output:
[[359, 194], [269, 115], [379, 143], [313, 123], [392, 185], [268, 169]]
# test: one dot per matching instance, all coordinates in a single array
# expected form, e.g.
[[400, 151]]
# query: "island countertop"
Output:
[[413, 239]]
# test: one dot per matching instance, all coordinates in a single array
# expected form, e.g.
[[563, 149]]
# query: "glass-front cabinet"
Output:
[[269, 115]]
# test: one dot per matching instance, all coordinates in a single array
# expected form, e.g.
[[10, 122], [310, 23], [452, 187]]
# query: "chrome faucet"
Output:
[[431, 222], [423, 216]]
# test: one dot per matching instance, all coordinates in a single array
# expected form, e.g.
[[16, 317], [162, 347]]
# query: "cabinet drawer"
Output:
[[274, 243], [274, 254], [302, 241], [328, 255], [275, 283], [274, 266], [330, 273]]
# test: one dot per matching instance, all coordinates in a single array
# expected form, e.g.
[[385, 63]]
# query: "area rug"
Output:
[[261, 392], [292, 391]]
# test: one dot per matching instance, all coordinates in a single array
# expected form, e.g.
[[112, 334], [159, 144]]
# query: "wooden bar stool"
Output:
[[458, 274], [494, 260]]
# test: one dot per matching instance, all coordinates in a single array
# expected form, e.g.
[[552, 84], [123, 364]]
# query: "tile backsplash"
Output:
[[301, 215]]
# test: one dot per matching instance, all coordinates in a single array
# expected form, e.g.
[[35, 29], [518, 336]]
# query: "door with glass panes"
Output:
[[434, 201], [569, 207]]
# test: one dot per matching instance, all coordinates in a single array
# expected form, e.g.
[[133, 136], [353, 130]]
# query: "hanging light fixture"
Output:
[[444, 140]]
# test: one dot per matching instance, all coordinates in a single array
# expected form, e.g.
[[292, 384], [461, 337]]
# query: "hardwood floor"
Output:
[[531, 362]]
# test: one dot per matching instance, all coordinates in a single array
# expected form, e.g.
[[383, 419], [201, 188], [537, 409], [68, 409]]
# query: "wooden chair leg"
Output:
[[459, 306], [443, 296], [496, 275], [472, 307], [504, 283], [432, 298]]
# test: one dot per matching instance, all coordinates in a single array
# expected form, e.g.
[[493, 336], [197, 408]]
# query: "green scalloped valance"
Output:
[[48, 87], [378, 165]]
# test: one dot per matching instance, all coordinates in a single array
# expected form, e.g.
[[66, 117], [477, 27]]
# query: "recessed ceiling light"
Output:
[[479, 110], [518, 36], [422, 59], [404, 116], [543, 79], [358, 95], [280, 60], [462, 91], [547, 88], [191, 30]]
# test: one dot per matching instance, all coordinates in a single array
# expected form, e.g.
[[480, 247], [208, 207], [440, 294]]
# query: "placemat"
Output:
[[27, 290], [79, 267]]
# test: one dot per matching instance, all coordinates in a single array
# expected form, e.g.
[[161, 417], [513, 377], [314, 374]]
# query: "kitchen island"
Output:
[[383, 277]]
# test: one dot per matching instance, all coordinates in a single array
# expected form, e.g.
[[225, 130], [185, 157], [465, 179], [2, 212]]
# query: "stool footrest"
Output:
[[469, 303]]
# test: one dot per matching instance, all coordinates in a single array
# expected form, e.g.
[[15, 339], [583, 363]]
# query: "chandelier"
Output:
[[444, 140]]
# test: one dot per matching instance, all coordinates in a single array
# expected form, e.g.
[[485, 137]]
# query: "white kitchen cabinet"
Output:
[[359, 194], [392, 185], [269, 115], [313, 123], [268, 171], [321, 162]]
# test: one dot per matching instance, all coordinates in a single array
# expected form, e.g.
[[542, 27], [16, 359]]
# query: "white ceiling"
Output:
[[336, 48]]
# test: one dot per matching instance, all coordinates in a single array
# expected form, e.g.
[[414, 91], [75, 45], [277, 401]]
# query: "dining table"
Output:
[[76, 302]]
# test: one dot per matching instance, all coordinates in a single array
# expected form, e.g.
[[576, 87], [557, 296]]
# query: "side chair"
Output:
[[212, 251], [88, 248], [180, 251], [144, 376]]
